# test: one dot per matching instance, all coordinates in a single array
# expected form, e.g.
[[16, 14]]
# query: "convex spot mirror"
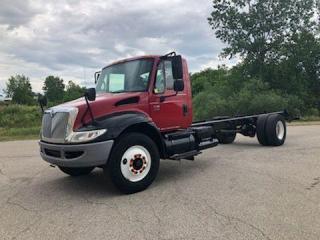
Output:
[[96, 76], [90, 94], [177, 70], [42, 100]]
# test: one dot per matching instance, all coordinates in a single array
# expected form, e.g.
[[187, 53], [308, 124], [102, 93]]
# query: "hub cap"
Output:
[[280, 130], [135, 163]]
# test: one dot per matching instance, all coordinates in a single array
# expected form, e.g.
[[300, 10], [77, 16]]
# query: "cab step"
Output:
[[208, 144], [187, 155]]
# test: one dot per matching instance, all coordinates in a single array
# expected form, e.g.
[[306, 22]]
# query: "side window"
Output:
[[116, 82], [164, 80], [102, 82], [160, 80], [168, 75]]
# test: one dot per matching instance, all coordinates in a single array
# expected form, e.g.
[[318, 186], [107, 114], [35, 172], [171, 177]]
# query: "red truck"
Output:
[[140, 112]]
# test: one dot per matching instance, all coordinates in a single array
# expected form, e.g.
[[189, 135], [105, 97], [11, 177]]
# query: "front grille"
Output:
[[54, 126]]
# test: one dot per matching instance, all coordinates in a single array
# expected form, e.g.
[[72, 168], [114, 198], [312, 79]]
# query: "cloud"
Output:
[[16, 13], [73, 38]]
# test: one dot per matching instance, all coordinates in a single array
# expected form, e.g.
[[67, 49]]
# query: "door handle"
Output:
[[185, 109]]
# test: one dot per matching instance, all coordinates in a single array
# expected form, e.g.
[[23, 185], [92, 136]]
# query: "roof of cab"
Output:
[[132, 59]]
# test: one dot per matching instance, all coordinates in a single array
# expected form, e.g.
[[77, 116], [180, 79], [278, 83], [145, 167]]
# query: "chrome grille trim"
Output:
[[57, 124]]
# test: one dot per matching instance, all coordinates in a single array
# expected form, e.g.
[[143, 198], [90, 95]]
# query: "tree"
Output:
[[278, 41], [73, 91], [208, 77], [299, 72], [257, 29], [54, 89], [19, 89]]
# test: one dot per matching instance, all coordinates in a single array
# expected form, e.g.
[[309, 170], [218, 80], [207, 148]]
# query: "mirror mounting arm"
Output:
[[42, 100], [168, 55], [90, 95], [90, 112]]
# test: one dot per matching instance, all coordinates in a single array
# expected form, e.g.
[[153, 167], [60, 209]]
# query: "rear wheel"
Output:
[[276, 130], [261, 130], [134, 163], [76, 171]]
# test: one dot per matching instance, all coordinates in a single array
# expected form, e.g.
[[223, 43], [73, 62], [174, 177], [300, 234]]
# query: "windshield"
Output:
[[132, 76]]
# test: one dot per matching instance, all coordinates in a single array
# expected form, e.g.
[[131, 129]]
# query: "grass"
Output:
[[19, 122], [9, 134], [304, 121]]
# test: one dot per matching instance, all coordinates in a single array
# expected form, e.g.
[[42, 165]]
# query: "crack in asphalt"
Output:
[[236, 219], [22, 156], [316, 181], [27, 182], [111, 206], [26, 228], [9, 202], [282, 180], [158, 218]]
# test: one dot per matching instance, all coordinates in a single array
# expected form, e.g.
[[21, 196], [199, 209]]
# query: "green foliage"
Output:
[[250, 96], [257, 29], [208, 77], [20, 116], [73, 91], [54, 89], [19, 89], [19, 122], [280, 47], [7, 134]]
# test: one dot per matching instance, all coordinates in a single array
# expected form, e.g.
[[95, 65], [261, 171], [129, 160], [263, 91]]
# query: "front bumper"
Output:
[[80, 155]]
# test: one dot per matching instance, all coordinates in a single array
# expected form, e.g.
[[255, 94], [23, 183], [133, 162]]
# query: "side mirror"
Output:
[[177, 69], [178, 85], [42, 100], [90, 94], [96, 76]]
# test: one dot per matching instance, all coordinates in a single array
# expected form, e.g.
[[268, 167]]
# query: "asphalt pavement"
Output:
[[238, 191]]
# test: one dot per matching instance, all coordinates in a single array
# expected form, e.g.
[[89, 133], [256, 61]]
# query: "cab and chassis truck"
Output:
[[140, 112]]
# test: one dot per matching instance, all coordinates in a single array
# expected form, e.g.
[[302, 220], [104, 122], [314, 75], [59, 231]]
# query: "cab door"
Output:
[[168, 109]]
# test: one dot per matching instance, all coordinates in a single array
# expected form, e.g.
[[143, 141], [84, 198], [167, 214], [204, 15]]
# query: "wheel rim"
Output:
[[280, 130], [135, 163]]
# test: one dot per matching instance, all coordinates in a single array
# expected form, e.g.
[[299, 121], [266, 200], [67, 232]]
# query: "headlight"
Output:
[[85, 136]]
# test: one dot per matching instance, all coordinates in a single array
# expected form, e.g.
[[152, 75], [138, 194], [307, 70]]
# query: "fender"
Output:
[[122, 122]]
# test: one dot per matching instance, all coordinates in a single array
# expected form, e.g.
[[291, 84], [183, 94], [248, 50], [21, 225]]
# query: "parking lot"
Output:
[[238, 191]]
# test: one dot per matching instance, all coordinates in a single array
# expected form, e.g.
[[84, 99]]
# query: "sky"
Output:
[[73, 39]]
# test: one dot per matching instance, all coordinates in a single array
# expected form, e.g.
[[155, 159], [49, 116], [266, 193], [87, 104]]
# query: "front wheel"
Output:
[[134, 163]]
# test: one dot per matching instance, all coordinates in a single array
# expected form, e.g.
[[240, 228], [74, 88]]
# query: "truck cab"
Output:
[[140, 112], [146, 84]]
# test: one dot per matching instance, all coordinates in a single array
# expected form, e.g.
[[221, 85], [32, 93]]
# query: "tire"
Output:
[[74, 172], [276, 130], [226, 138], [134, 163], [261, 129]]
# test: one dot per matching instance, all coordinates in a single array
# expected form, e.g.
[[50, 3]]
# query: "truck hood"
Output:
[[105, 104]]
